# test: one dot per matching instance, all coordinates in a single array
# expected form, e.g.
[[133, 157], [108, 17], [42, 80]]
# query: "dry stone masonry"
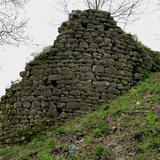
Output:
[[91, 62]]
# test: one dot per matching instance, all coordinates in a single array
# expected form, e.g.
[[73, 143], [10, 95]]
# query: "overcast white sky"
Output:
[[41, 13]]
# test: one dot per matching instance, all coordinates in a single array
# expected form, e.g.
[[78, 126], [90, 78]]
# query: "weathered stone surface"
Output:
[[52, 113], [137, 76], [99, 69], [22, 74], [73, 105], [47, 93], [113, 91], [26, 104], [54, 77], [35, 104], [83, 45], [111, 70]]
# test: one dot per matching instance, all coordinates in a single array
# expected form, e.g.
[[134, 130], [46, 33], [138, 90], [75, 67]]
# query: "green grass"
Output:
[[101, 152], [44, 156], [127, 128], [88, 139], [138, 43]]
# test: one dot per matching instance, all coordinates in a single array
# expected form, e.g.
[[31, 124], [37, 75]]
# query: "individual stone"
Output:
[[137, 76], [119, 86], [35, 104], [54, 77], [18, 105], [64, 115], [52, 113], [73, 105], [87, 76], [69, 32], [83, 45], [99, 69], [111, 70], [113, 91], [22, 74], [47, 93], [26, 104]]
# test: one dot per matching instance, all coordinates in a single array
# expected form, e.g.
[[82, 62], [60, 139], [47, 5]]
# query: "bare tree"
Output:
[[124, 11], [62, 6], [95, 4], [12, 29]]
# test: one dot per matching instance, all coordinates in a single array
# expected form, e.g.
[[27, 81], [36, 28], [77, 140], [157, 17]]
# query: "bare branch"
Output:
[[11, 28], [128, 11], [124, 11], [62, 6], [110, 5], [95, 4], [1, 67], [88, 3]]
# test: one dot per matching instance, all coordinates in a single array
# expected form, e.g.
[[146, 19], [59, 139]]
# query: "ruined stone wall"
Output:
[[91, 62]]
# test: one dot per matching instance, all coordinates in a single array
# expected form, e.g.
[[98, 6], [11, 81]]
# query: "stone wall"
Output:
[[91, 62]]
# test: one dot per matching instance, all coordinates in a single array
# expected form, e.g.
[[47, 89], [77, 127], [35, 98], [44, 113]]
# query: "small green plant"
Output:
[[155, 143], [5, 151], [41, 62], [88, 139], [138, 43], [44, 156], [101, 129], [145, 73], [46, 49], [155, 99], [141, 149], [50, 142], [157, 89], [148, 147], [151, 118], [70, 128], [143, 135], [40, 144], [59, 131], [39, 137], [103, 153], [97, 132], [79, 155]]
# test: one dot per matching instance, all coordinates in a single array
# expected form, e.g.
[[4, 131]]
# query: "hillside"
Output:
[[126, 129]]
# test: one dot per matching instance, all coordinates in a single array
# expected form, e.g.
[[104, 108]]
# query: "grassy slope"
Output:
[[127, 129]]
